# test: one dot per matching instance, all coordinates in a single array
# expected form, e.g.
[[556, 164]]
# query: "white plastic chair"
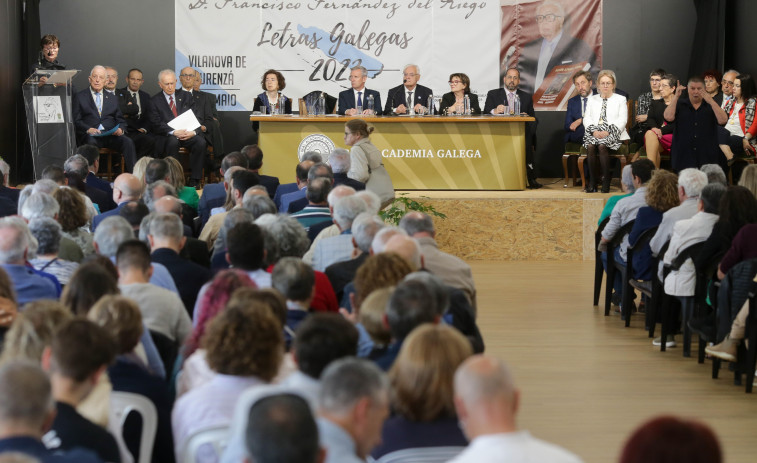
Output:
[[123, 403], [213, 439]]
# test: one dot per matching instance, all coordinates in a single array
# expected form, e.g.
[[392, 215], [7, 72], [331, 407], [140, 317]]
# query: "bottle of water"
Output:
[[466, 105], [431, 109], [369, 104], [321, 104], [516, 104]]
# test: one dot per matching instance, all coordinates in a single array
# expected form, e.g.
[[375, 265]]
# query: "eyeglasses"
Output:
[[605, 84], [412, 74], [186, 75], [550, 18], [656, 81], [455, 82], [50, 49]]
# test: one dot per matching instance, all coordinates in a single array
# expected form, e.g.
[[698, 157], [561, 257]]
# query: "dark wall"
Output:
[[741, 55], [11, 76], [638, 36]]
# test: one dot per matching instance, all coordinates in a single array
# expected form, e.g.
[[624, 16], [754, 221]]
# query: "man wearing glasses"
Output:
[[555, 47], [410, 97]]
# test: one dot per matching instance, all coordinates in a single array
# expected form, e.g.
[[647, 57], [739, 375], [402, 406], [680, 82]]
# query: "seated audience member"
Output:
[[14, 246], [73, 219], [92, 154], [645, 101], [626, 186], [687, 232], [245, 251], [690, 184], [127, 187], [574, 127], [32, 331], [295, 281], [284, 237], [317, 209], [337, 193], [749, 178], [79, 354], [26, 412], [353, 404], [41, 204], [134, 212], [117, 230], [193, 250], [162, 310], [244, 346], [452, 270], [8, 195], [47, 232], [605, 122], [737, 138], [282, 429], [121, 318], [241, 181], [339, 248], [487, 402], [157, 169], [364, 229], [298, 200], [254, 156], [140, 167], [176, 179], [234, 217], [340, 163], [8, 305], [424, 423], [712, 79], [370, 316], [77, 167], [667, 438], [296, 189], [166, 242], [715, 174], [87, 285], [662, 195], [214, 194], [659, 136]]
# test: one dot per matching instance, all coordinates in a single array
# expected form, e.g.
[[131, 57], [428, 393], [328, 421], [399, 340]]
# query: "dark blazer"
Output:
[[341, 273], [286, 188], [398, 96], [342, 179], [347, 100], [99, 197], [10, 193], [86, 116], [297, 205], [497, 96], [100, 184], [100, 217], [213, 195], [270, 183], [572, 113], [448, 99], [569, 50], [204, 112], [188, 276], [130, 109], [160, 112], [261, 101], [196, 251]]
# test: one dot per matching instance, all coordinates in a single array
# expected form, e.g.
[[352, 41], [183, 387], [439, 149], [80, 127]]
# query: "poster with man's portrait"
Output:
[[549, 41]]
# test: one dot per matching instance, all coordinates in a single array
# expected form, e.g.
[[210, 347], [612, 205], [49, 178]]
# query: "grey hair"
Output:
[[110, 233], [710, 197], [47, 232], [149, 196], [553, 3], [627, 178], [166, 71], [40, 205], [291, 238], [97, 67], [371, 200], [293, 278], [733, 71], [230, 172], [314, 156], [258, 204], [232, 219], [77, 164], [167, 225], [144, 228], [339, 192], [362, 69], [417, 223], [27, 394], [348, 380], [715, 174], [692, 181], [13, 251], [383, 236], [5, 169], [364, 229], [417, 68], [436, 286], [340, 160], [45, 185], [346, 209], [607, 73]]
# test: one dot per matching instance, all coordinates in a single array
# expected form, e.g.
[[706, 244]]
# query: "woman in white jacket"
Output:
[[365, 161], [605, 121]]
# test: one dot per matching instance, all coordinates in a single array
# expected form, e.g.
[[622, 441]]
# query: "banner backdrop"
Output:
[[314, 43], [549, 41]]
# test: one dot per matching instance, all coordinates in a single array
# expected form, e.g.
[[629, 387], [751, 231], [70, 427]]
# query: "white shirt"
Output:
[[362, 97], [513, 447], [685, 210], [685, 233], [734, 124]]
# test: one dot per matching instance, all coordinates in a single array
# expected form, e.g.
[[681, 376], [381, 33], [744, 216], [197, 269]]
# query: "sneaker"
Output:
[[671, 341], [726, 350]]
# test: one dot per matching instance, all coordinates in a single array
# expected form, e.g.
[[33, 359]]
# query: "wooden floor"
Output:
[[586, 380]]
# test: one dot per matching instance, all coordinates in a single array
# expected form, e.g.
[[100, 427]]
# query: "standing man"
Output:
[[726, 85], [555, 47], [402, 98], [574, 116], [497, 99], [98, 119], [358, 95], [135, 106], [695, 136], [166, 106]]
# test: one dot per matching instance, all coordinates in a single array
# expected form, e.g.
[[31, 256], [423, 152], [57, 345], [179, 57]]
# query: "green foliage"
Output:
[[402, 205]]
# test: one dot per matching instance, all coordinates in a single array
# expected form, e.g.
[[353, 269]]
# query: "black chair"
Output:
[[330, 102], [654, 293], [706, 273], [599, 270], [612, 267], [751, 338], [167, 349], [638, 246]]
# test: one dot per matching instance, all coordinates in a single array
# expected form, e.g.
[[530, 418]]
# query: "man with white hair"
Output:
[[98, 119], [340, 163], [410, 97], [337, 193], [339, 248], [78, 166], [690, 184], [44, 205], [14, 248], [487, 402], [126, 188]]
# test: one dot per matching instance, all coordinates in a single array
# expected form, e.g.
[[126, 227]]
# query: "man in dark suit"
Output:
[[166, 106], [193, 250], [96, 112], [127, 187], [135, 106], [92, 154], [499, 98], [555, 47], [214, 135], [358, 95], [409, 95], [574, 127], [200, 105], [214, 194], [255, 162], [78, 167]]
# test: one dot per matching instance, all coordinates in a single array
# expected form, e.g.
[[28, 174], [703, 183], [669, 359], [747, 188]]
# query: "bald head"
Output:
[[187, 78], [168, 204], [127, 187], [339, 192], [407, 248], [482, 379]]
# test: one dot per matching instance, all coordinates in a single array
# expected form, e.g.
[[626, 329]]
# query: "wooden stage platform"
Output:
[[552, 223]]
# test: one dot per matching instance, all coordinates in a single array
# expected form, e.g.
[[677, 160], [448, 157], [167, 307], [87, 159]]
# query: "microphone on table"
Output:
[[394, 95]]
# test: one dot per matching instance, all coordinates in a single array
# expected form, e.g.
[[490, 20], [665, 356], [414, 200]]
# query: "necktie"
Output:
[[583, 109], [603, 113], [409, 100], [135, 95], [99, 103], [173, 106], [510, 101], [360, 99]]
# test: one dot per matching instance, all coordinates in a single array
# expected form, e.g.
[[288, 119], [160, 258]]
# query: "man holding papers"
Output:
[[171, 117], [98, 119]]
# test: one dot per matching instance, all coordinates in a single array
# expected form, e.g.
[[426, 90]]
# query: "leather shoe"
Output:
[[590, 189], [534, 185]]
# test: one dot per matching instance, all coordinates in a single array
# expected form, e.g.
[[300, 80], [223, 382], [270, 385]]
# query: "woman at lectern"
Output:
[[452, 102], [48, 54], [273, 83], [365, 161]]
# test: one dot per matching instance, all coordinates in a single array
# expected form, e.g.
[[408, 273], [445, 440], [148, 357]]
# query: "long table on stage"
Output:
[[419, 152]]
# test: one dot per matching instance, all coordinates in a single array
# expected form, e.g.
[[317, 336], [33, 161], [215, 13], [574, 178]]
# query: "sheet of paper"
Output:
[[48, 109], [185, 121]]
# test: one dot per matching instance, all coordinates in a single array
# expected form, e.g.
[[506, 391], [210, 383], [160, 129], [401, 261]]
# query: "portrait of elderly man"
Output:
[[555, 47]]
